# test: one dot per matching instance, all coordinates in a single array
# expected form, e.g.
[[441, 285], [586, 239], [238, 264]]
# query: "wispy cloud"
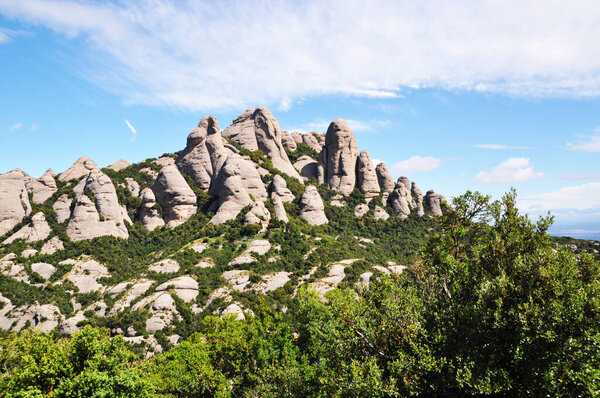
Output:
[[499, 146], [416, 164], [590, 143], [133, 130], [16, 126], [357, 126], [153, 52], [580, 176], [6, 35], [580, 197], [33, 127], [511, 170]]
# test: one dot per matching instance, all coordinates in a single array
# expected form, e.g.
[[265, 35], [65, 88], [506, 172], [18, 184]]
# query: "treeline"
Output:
[[491, 309]]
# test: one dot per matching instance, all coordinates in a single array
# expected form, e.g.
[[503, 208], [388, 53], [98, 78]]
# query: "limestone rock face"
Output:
[[14, 200], [279, 187], [204, 153], [280, 212], [417, 199], [38, 229], [258, 214], [43, 269], [81, 168], [133, 187], [307, 167], [297, 137], [361, 209], [62, 208], [403, 181], [337, 161], [433, 202], [174, 195], [399, 199], [258, 129], [102, 217], [366, 176], [149, 215], [380, 214], [288, 141], [43, 187], [52, 246], [312, 142], [312, 207], [119, 165], [386, 182]]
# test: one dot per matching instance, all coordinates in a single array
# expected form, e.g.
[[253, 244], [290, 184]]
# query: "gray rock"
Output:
[[404, 181], [28, 253], [38, 229], [130, 331], [258, 129], [149, 215], [399, 199], [258, 214], [279, 187], [174, 195], [366, 176], [380, 214], [361, 210], [234, 309], [280, 212], [81, 168], [288, 141], [312, 208], [85, 274], [166, 266], [133, 187], [417, 199], [307, 167], [433, 202], [52, 246], [386, 182], [43, 187], [312, 142], [297, 137], [43, 269], [62, 208], [14, 200], [119, 165], [185, 287], [337, 161]]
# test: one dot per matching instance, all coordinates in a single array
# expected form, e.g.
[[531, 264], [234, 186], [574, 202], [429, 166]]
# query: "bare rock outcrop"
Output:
[[279, 187], [399, 199], [14, 200], [119, 165], [38, 229], [280, 212], [174, 195], [41, 188], [258, 129], [81, 168], [366, 176], [62, 208], [380, 214], [52, 246], [297, 137], [133, 186], [433, 202], [307, 167], [310, 140], [288, 141], [258, 214], [149, 214], [385, 179], [312, 208], [101, 216], [337, 161], [417, 199], [361, 209]]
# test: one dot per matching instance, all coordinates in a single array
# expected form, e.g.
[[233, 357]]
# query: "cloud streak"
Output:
[[590, 143], [499, 146], [579, 197], [511, 170], [133, 130], [416, 164], [214, 55], [16, 126]]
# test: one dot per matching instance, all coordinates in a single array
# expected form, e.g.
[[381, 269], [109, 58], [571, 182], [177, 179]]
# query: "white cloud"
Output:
[[16, 126], [34, 127], [511, 170], [580, 197], [499, 146], [416, 164], [6, 35], [211, 55], [590, 144], [580, 176], [357, 126], [133, 130], [376, 161], [285, 104]]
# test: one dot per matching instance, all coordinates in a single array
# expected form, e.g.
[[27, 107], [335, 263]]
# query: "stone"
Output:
[[136, 290], [38, 229], [166, 266], [174, 195], [257, 129], [307, 167], [131, 332], [280, 212], [385, 179], [14, 200], [238, 279], [185, 287], [312, 142], [433, 202], [297, 137], [271, 282], [148, 213], [312, 208], [69, 326], [361, 209], [43, 187], [417, 199], [62, 208], [258, 214], [119, 165], [28, 253], [337, 160], [133, 186], [85, 275], [104, 216], [164, 161], [403, 181], [366, 176], [399, 199], [279, 187], [337, 200], [380, 214], [288, 141], [52, 246], [81, 168], [259, 246], [234, 309]]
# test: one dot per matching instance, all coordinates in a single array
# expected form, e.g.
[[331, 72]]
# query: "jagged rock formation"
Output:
[[43, 187], [38, 229], [119, 165], [149, 214], [174, 195], [258, 214], [14, 201], [337, 161], [385, 179], [258, 129], [366, 177], [400, 198], [312, 208], [433, 202], [81, 168], [279, 187], [280, 212], [417, 199], [133, 186], [288, 141], [62, 208], [310, 140]]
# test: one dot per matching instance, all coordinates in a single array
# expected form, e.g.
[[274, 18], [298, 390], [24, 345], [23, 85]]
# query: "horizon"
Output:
[[453, 98]]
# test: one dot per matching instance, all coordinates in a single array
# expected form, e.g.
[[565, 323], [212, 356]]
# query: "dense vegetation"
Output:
[[491, 307]]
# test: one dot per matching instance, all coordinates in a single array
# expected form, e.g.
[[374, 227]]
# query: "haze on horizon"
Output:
[[481, 97]]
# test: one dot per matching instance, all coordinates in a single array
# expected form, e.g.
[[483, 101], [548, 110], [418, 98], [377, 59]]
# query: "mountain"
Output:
[[238, 216]]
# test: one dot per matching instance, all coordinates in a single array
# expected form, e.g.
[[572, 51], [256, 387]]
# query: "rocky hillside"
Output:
[[237, 219]]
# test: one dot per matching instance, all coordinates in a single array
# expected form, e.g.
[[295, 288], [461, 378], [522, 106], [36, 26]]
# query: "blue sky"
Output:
[[482, 97]]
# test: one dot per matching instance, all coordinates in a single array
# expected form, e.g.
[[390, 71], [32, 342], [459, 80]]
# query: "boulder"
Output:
[[417, 199], [312, 142], [14, 200], [43, 187], [133, 187], [81, 168], [280, 212], [312, 208], [380, 214], [297, 137], [337, 160], [52, 246], [403, 181], [386, 182], [149, 214], [279, 187], [366, 176], [174, 195], [62, 208], [38, 229], [257, 129], [433, 202], [361, 210], [85, 274], [119, 165], [288, 141], [234, 309], [258, 214], [307, 167]]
